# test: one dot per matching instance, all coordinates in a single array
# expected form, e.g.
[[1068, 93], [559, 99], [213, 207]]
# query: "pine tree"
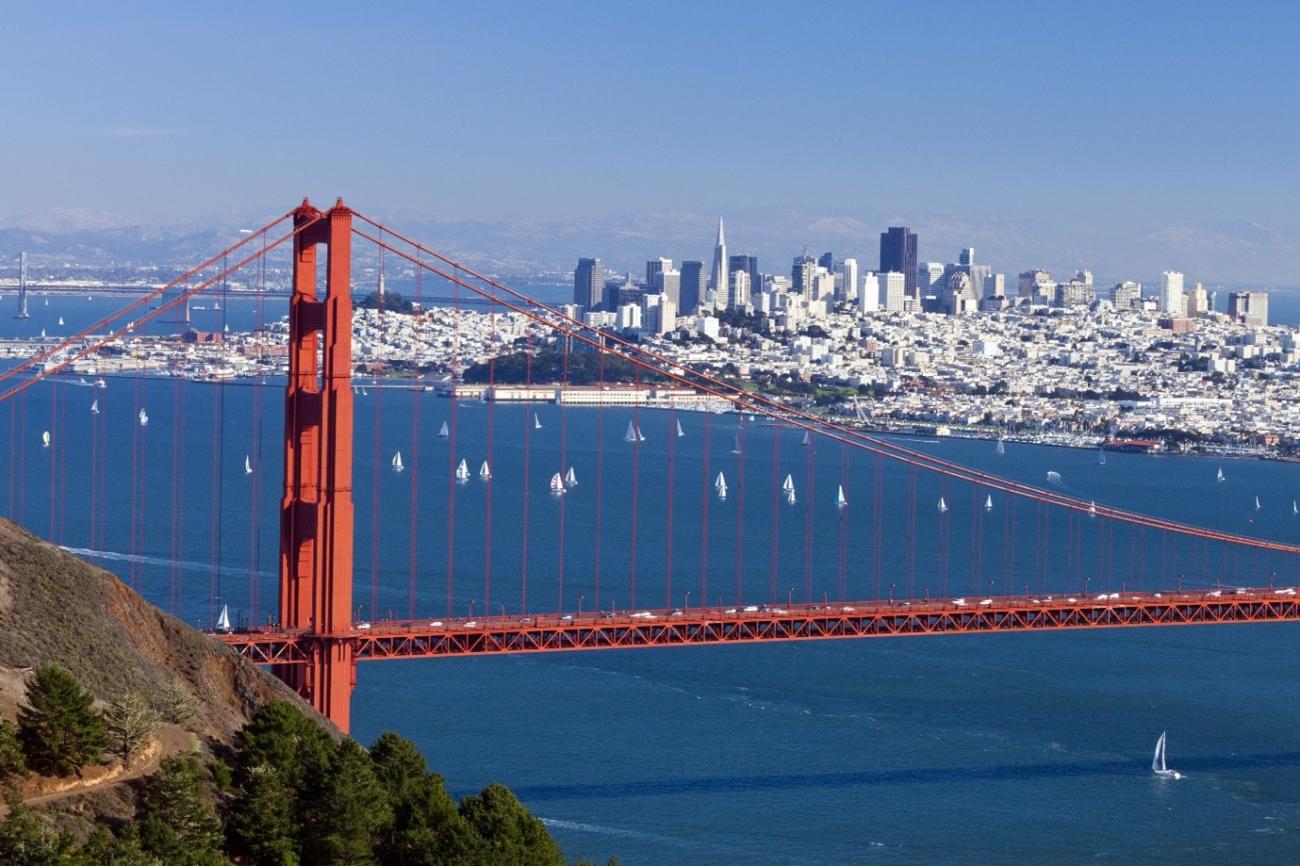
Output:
[[27, 841], [260, 820], [130, 722], [347, 812], [177, 823], [59, 730], [512, 834], [103, 849], [426, 829], [177, 705], [12, 764]]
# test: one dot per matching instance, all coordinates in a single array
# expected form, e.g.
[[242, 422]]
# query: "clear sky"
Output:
[[1132, 113]]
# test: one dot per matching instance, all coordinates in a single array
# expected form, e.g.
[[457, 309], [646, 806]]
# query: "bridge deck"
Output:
[[432, 638]]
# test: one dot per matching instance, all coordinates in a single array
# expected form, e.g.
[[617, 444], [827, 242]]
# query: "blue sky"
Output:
[[1142, 114]]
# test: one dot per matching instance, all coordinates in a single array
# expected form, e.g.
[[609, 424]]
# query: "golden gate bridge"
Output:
[[316, 638]]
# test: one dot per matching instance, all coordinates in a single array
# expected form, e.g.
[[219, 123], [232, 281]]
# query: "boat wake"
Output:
[[602, 830], [143, 559]]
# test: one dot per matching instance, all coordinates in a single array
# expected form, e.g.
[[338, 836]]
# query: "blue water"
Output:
[[973, 749]]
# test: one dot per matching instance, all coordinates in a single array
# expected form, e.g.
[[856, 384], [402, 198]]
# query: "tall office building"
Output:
[[1250, 308], [930, 278], [655, 266], [22, 288], [1126, 295], [588, 283], [1171, 293], [869, 294], [668, 282], [1198, 302], [801, 273], [748, 264], [898, 255], [692, 288], [967, 257], [738, 298], [893, 286], [849, 280], [718, 280], [827, 261]]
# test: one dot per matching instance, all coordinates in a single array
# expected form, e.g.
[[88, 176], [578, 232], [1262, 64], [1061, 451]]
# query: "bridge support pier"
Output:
[[316, 510]]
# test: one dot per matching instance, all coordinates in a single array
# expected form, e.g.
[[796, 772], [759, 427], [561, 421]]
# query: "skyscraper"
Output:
[[849, 283], [869, 296], [22, 288], [827, 261], [1171, 293], [691, 290], [801, 273], [1250, 308], [748, 264], [588, 283], [894, 286], [898, 254], [718, 276], [655, 266], [669, 284]]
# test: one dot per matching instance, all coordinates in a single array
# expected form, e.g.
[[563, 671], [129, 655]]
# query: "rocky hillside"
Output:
[[55, 607]]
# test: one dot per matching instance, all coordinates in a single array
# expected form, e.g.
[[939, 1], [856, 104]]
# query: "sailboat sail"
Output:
[[735, 444], [444, 431], [571, 478], [1220, 476], [788, 484], [537, 422], [94, 406], [840, 500], [397, 462], [485, 471], [1002, 446], [631, 434], [144, 418], [943, 506], [1101, 456], [807, 440], [248, 465], [557, 484], [680, 431], [720, 484], [988, 502], [45, 439], [1257, 503], [462, 471], [223, 621]]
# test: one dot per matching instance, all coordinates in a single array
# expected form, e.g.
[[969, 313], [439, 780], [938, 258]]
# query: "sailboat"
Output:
[[571, 478], [840, 499], [42, 333], [1257, 503], [1158, 765], [557, 485], [443, 431], [735, 444], [537, 422], [248, 465], [680, 431], [94, 406], [1002, 446], [639, 436], [787, 487], [60, 321], [807, 440], [720, 485], [485, 472], [144, 418], [1101, 455], [1220, 476], [45, 439], [631, 434], [988, 502], [223, 621], [397, 462], [462, 471], [1053, 476], [1092, 509], [943, 506]]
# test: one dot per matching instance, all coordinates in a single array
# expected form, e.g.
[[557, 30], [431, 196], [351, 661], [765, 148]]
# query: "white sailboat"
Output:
[[787, 489], [557, 485], [1053, 476], [94, 406], [1101, 456], [1257, 503], [537, 422], [1295, 509], [735, 444], [45, 439], [223, 620], [1002, 445], [943, 506], [571, 478], [485, 472], [639, 436], [60, 321], [988, 502], [680, 431], [1220, 476], [462, 471], [144, 418], [631, 434], [1158, 765], [807, 440], [397, 462], [720, 485], [840, 499], [1092, 509], [444, 431], [248, 465]]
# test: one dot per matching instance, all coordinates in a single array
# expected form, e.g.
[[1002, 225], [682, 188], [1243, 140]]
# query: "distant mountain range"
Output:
[[1229, 253]]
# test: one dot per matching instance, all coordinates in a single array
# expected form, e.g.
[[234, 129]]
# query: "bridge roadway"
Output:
[[604, 630]]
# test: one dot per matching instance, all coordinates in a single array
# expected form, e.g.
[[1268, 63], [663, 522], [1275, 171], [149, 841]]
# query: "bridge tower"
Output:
[[316, 511]]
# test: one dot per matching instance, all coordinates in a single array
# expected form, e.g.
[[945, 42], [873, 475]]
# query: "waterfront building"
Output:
[[588, 283], [691, 287], [898, 254], [1250, 308], [1171, 293]]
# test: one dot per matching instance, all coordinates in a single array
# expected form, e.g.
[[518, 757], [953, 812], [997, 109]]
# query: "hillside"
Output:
[[57, 608]]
